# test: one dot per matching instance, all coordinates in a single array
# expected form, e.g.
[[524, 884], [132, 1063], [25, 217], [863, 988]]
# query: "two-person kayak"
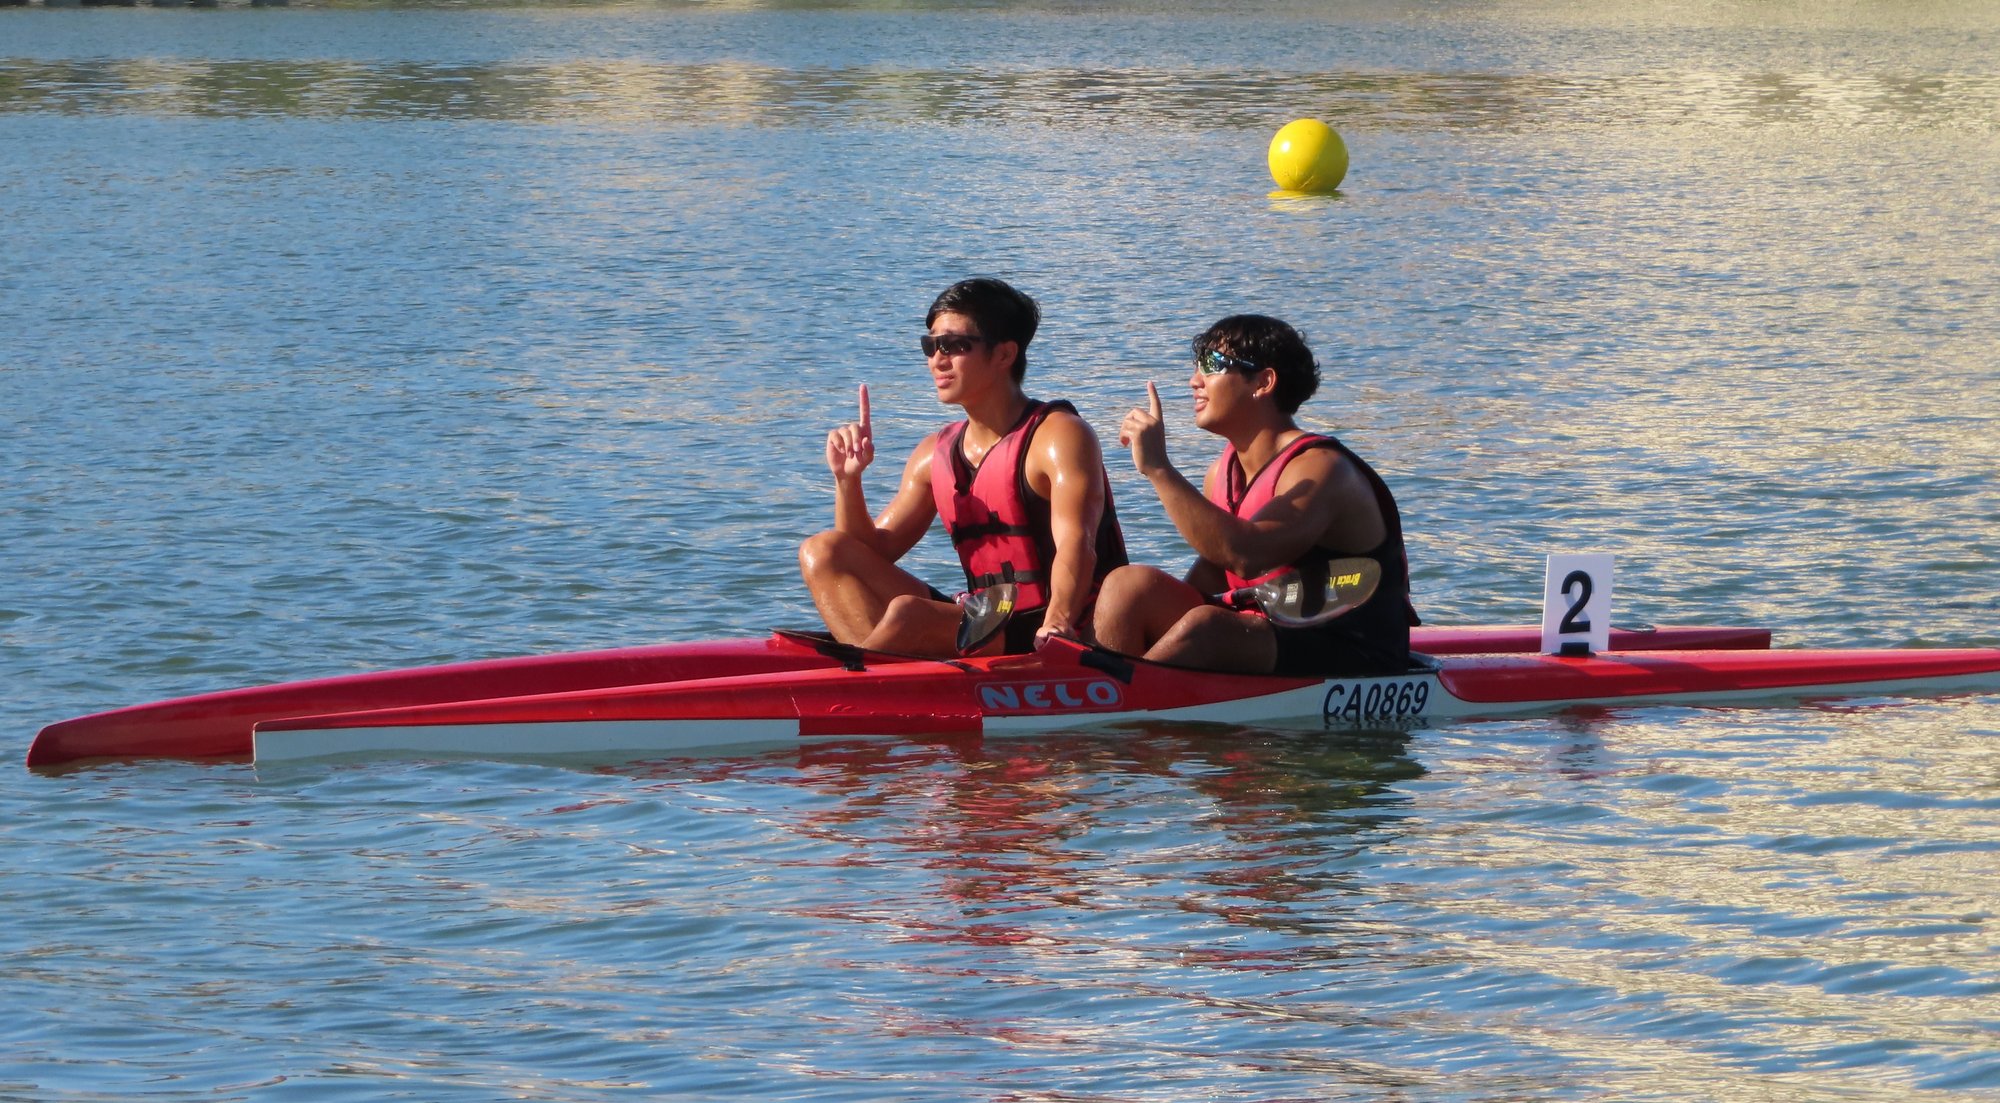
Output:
[[794, 687]]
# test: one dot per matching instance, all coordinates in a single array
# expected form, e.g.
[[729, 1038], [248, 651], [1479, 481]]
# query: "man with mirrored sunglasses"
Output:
[[1278, 499], [1020, 485]]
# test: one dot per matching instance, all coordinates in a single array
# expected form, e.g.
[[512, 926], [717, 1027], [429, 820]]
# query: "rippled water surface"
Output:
[[339, 338]]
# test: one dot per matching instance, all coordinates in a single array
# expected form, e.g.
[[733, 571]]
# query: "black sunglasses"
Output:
[[951, 344], [1215, 362]]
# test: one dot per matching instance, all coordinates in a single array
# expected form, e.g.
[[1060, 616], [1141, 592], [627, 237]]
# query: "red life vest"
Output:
[[998, 524], [1244, 497]]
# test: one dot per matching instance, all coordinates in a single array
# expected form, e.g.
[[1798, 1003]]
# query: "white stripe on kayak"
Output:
[[546, 739], [1341, 704]]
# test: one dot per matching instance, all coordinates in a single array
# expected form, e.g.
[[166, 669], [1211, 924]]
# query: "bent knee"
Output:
[[825, 549], [1130, 584]]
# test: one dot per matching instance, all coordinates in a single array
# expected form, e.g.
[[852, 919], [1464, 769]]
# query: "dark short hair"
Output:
[[1001, 312], [1267, 343]]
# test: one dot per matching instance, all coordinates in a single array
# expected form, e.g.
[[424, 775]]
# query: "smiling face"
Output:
[[1222, 384], [963, 365], [1255, 352]]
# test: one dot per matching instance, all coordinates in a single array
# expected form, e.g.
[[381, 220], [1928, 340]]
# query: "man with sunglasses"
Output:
[[1020, 485], [1278, 498]]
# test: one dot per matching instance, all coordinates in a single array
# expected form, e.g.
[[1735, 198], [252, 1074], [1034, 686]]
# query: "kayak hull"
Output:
[[1067, 687], [219, 725]]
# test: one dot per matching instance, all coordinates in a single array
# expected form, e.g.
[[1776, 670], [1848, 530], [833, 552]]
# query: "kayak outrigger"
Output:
[[675, 698]]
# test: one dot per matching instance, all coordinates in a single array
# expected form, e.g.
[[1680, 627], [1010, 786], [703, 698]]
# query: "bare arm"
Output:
[[849, 451], [1313, 490], [1202, 574], [1066, 466], [1321, 500]]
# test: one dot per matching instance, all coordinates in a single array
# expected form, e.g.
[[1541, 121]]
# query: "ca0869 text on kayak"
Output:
[[1360, 701]]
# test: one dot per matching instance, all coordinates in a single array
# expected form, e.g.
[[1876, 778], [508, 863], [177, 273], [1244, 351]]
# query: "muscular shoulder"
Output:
[[1329, 486], [1064, 450], [1322, 470], [919, 463], [1065, 438], [1218, 476]]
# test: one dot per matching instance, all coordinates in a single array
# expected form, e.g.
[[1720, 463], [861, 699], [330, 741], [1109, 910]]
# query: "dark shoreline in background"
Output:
[[145, 4]]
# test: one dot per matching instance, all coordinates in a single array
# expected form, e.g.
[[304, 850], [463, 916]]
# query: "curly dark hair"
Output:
[[1267, 343]]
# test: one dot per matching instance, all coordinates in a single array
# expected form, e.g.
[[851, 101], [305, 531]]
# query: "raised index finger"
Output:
[[1153, 397], [864, 408]]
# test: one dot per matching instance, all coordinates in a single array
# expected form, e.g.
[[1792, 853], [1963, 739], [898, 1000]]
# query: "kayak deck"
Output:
[[220, 724]]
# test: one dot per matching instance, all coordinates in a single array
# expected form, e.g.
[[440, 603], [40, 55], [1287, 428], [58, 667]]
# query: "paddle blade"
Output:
[[1293, 600], [986, 613]]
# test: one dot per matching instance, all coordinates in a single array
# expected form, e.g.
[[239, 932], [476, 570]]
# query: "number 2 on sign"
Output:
[[1576, 586], [1576, 602]]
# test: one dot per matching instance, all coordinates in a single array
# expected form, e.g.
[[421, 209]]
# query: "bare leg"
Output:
[[917, 626], [1139, 605], [852, 584], [1214, 638]]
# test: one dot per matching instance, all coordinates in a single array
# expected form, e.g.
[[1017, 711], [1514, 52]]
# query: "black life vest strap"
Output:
[[1009, 574], [968, 533]]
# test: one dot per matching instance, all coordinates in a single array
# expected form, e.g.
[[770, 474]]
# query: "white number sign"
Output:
[[1576, 603]]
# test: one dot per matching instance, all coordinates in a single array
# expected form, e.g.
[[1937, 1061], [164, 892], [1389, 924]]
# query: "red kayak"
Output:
[[219, 725], [1067, 685]]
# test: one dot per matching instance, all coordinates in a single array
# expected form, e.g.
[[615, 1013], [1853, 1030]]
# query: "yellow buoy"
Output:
[[1307, 156]]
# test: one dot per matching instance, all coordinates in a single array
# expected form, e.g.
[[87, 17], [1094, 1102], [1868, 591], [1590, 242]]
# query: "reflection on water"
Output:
[[1596, 906], [1015, 827], [737, 94]]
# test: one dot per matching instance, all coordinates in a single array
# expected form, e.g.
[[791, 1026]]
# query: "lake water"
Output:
[[342, 338]]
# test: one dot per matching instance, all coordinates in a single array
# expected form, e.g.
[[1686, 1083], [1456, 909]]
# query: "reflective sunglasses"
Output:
[[951, 344], [1215, 362]]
